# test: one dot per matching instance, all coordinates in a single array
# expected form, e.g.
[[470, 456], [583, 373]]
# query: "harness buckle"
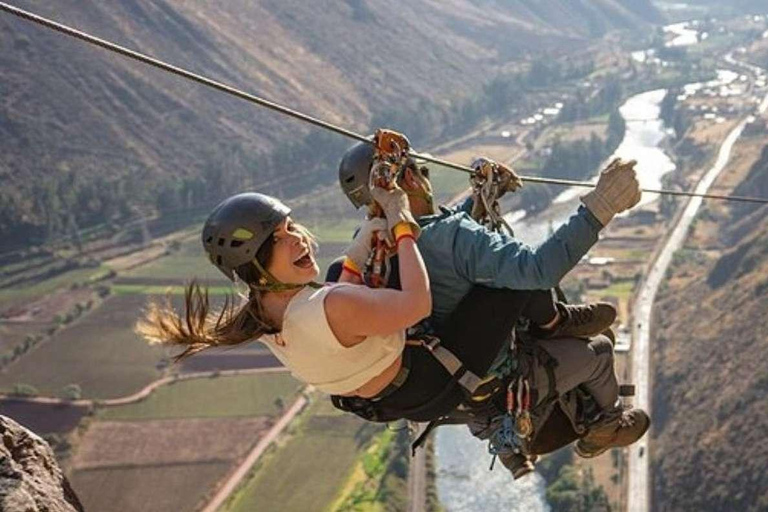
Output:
[[430, 342]]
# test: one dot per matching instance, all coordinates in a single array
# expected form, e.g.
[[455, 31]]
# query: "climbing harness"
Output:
[[228, 89], [488, 185]]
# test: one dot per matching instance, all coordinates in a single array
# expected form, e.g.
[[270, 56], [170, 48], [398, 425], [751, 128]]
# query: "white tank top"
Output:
[[314, 355]]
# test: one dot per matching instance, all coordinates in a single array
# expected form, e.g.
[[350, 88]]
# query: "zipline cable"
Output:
[[228, 89]]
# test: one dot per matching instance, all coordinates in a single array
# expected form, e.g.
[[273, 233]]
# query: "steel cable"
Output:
[[228, 89]]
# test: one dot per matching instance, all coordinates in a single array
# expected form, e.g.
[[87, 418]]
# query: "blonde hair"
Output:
[[202, 327]]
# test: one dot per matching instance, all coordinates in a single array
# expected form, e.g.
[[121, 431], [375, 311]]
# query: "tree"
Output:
[[71, 392], [576, 491]]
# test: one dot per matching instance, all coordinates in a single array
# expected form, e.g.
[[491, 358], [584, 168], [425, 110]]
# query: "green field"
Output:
[[308, 471], [23, 293], [100, 352], [446, 182], [622, 289], [188, 262], [242, 395], [159, 488], [148, 289]]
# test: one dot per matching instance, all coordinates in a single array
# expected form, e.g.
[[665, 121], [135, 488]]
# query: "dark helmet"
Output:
[[238, 227], [354, 173]]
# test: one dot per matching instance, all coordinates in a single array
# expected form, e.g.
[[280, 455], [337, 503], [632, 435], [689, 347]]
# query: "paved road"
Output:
[[638, 499], [417, 477]]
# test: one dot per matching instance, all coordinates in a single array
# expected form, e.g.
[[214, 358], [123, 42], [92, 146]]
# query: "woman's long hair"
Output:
[[201, 327]]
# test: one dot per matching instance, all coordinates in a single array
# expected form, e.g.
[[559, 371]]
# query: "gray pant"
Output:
[[580, 363]]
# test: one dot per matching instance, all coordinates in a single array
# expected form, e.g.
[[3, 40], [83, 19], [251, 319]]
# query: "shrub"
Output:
[[24, 390], [71, 392]]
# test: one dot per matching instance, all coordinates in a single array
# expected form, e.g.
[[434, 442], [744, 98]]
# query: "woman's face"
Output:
[[293, 258]]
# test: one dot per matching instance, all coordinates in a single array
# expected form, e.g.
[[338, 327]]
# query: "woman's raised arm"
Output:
[[355, 312]]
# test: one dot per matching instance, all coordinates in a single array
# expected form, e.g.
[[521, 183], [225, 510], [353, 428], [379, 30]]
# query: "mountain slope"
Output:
[[101, 135], [711, 368]]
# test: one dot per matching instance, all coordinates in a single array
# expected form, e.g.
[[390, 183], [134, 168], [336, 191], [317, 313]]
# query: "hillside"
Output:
[[87, 136], [744, 6], [710, 379]]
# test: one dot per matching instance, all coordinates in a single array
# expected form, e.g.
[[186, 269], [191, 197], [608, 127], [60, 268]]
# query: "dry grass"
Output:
[[160, 488], [188, 441]]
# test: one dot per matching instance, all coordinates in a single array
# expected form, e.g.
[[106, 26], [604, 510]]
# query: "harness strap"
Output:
[[466, 378]]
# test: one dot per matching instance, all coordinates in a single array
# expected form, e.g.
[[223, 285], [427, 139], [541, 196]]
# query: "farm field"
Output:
[[44, 418], [17, 295], [187, 441], [230, 360], [216, 397], [188, 262], [159, 465], [100, 352], [321, 454], [160, 488]]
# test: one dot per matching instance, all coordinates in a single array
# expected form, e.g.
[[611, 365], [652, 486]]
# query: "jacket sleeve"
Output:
[[466, 205], [500, 261]]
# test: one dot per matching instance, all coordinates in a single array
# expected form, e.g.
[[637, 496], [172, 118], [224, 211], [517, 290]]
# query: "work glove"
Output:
[[394, 204], [509, 181], [617, 190], [361, 245]]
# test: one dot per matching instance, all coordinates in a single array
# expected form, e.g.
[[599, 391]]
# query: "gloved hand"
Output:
[[360, 248], [396, 209], [617, 190]]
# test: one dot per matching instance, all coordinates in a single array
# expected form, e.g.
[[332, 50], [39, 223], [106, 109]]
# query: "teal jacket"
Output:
[[458, 253]]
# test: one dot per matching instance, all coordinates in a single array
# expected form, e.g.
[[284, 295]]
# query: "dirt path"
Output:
[[145, 392], [242, 470]]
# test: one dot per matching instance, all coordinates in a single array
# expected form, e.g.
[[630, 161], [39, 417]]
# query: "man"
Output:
[[459, 253]]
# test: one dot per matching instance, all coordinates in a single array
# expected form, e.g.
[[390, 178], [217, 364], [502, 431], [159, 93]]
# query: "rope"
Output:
[[233, 91]]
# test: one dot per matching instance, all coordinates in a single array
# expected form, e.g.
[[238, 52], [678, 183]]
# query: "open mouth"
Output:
[[305, 260]]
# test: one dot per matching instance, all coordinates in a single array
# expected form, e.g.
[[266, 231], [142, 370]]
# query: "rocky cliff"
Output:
[[30, 477]]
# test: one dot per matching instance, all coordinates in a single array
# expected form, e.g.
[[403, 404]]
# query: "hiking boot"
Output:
[[619, 430], [580, 321], [518, 464], [608, 333]]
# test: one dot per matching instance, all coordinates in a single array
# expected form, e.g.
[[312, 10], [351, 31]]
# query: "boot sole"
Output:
[[592, 455]]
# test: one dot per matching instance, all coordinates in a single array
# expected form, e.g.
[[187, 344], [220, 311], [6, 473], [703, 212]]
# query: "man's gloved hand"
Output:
[[396, 209], [617, 190], [360, 248]]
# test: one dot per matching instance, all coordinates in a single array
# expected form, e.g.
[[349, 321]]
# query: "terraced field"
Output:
[[100, 352]]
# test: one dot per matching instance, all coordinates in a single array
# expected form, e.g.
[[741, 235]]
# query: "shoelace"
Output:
[[580, 315], [626, 420]]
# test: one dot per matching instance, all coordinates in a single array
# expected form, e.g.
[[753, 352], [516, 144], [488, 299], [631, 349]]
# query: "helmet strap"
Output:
[[268, 282]]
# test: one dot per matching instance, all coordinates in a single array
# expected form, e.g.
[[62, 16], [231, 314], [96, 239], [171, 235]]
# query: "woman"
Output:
[[344, 339]]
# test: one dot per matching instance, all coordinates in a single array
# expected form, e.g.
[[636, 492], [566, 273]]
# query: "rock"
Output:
[[30, 478]]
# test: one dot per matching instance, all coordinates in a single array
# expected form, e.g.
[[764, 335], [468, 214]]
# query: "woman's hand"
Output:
[[396, 209], [360, 248]]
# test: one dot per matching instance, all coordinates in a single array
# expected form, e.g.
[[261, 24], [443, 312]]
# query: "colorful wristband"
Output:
[[403, 230], [350, 266]]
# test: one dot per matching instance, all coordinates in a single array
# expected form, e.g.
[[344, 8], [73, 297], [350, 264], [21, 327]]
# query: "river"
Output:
[[464, 483]]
